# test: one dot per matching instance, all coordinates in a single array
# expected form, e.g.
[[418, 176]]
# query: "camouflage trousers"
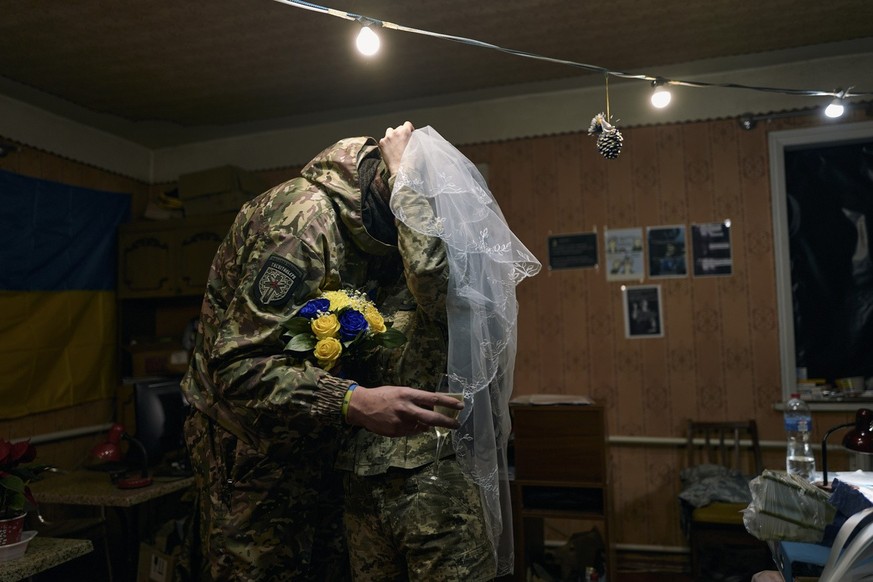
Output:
[[405, 526], [262, 519]]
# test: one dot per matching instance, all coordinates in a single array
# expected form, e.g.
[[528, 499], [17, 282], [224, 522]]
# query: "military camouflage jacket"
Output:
[[420, 361], [285, 247]]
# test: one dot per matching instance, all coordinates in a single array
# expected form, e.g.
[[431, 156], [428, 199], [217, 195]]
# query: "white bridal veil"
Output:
[[486, 262]]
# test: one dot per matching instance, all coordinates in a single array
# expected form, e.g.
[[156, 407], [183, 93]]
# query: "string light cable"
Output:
[[609, 138], [368, 21]]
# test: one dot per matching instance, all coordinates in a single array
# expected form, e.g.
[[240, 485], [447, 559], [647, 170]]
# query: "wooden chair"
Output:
[[717, 536]]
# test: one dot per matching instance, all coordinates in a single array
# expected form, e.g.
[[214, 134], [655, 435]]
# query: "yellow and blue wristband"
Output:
[[348, 398]]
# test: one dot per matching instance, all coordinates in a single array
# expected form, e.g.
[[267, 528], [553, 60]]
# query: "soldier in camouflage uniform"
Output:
[[401, 523], [265, 425]]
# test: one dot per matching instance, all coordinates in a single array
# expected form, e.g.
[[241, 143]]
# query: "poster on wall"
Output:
[[573, 251], [666, 251], [624, 254], [711, 244], [643, 317]]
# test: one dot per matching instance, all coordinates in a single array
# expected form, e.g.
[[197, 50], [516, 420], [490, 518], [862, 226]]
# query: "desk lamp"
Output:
[[110, 452], [859, 439]]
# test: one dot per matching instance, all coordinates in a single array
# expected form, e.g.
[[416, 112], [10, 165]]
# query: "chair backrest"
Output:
[[733, 444]]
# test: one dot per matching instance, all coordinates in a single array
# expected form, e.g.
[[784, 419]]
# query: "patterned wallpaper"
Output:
[[719, 356]]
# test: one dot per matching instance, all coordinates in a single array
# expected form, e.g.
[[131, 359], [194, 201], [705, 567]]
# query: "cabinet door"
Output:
[[168, 258], [196, 249], [560, 443], [146, 264]]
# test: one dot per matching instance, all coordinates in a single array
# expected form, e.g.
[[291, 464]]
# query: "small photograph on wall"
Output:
[[711, 244], [667, 251], [624, 254], [573, 251], [643, 317]]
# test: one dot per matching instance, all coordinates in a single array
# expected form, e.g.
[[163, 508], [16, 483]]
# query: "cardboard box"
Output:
[[217, 190], [161, 359], [154, 566]]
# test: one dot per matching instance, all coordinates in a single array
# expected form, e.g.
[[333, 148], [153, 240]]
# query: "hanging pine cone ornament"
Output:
[[608, 137]]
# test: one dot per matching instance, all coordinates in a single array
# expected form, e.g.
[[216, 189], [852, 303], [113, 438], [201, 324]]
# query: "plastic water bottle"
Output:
[[799, 459]]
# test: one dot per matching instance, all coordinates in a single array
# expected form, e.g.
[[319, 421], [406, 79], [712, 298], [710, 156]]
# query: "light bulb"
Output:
[[835, 109], [367, 41], [661, 97]]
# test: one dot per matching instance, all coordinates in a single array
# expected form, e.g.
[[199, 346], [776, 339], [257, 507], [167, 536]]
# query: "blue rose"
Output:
[[313, 307], [352, 322]]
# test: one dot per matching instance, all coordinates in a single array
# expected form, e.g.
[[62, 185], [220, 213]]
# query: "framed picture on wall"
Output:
[[711, 242], [666, 251], [624, 254], [643, 316], [573, 251]]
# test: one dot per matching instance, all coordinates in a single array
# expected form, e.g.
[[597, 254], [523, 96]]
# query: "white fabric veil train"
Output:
[[486, 262]]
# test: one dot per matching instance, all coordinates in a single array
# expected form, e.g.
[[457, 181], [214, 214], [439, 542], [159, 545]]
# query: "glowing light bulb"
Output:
[[835, 109], [661, 97], [367, 41]]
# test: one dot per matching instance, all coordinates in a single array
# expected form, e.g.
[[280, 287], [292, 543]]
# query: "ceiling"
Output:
[[154, 71]]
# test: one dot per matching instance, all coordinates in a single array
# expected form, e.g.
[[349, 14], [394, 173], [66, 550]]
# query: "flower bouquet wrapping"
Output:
[[338, 326]]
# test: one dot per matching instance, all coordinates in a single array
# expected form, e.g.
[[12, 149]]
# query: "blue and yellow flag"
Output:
[[58, 343]]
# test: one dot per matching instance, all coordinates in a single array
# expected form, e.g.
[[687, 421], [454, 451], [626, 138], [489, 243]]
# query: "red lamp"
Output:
[[859, 439], [110, 452]]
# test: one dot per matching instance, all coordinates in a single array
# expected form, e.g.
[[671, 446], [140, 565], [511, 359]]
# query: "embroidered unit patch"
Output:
[[276, 282]]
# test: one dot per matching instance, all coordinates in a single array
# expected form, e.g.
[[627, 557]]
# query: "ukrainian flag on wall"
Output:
[[58, 343]]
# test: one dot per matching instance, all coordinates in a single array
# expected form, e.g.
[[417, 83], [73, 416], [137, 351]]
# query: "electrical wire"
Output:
[[369, 21]]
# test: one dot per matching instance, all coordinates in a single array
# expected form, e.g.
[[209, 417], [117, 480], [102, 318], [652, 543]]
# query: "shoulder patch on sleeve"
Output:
[[276, 282]]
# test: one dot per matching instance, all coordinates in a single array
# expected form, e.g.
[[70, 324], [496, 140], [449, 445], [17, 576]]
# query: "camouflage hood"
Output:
[[336, 171]]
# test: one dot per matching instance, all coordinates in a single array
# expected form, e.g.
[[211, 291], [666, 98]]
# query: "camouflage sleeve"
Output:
[[265, 388], [423, 357], [424, 261]]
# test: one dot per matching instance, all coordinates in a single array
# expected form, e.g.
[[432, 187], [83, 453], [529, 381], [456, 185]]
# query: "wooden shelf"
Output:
[[560, 473]]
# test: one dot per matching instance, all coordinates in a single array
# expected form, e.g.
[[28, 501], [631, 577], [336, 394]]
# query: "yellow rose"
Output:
[[375, 319], [327, 351], [338, 300], [325, 326]]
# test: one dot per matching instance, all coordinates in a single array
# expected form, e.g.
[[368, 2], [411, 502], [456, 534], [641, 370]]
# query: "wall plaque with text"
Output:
[[573, 251]]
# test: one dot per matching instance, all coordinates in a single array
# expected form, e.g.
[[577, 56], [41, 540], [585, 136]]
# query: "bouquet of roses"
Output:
[[339, 325]]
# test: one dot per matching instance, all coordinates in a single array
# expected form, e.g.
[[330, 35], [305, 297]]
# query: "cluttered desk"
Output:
[[815, 533], [96, 489]]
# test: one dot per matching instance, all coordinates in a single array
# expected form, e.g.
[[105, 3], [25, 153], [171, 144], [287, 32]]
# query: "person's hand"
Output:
[[399, 410], [393, 145]]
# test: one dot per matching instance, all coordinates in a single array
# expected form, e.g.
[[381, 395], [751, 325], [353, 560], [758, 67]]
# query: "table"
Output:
[[42, 554], [95, 489]]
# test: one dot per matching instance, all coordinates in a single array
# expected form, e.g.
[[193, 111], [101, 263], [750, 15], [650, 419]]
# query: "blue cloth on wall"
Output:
[[58, 336], [57, 237]]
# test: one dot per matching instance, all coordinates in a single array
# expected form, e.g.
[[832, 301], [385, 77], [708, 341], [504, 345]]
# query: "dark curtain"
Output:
[[830, 216]]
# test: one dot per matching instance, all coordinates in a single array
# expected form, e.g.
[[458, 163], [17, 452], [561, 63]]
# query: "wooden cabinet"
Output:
[[561, 473], [162, 271], [168, 258]]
